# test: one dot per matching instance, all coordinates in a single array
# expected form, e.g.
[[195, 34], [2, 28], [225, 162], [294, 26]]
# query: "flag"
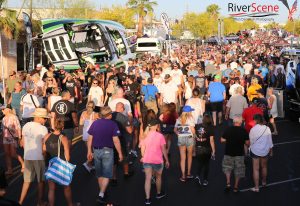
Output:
[[28, 28], [293, 10]]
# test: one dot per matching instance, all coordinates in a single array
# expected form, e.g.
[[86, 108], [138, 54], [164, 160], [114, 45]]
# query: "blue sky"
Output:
[[176, 8]]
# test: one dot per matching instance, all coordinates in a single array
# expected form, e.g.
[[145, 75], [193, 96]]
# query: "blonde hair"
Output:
[[254, 81], [184, 117]]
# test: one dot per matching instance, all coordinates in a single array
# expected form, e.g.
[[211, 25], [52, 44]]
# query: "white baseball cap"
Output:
[[39, 65]]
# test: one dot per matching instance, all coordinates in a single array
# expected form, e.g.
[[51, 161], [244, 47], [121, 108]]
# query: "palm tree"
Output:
[[213, 10], [141, 8], [8, 22]]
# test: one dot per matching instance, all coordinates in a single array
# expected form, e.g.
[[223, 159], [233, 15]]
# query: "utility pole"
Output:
[[30, 10]]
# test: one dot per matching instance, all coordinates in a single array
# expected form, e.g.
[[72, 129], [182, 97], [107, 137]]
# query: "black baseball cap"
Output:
[[150, 80]]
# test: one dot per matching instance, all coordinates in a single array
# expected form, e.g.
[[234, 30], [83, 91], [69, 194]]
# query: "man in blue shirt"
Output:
[[150, 91], [217, 94]]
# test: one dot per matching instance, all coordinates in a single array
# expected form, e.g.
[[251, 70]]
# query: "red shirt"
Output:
[[248, 115]]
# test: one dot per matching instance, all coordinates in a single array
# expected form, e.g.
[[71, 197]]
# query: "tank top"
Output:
[[52, 146], [86, 125]]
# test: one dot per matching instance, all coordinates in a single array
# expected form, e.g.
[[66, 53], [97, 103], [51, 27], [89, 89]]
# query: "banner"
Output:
[[28, 28], [165, 21]]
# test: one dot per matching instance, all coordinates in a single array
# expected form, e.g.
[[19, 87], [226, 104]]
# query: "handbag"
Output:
[[60, 171]]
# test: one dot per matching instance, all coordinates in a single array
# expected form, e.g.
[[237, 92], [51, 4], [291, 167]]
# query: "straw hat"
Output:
[[41, 112]]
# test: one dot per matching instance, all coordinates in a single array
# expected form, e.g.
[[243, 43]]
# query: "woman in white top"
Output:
[[198, 104], [272, 102], [86, 120], [261, 145], [53, 98], [185, 130], [96, 94]]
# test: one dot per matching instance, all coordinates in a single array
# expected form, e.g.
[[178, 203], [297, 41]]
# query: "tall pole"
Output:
[[30, 10], [2, 69]]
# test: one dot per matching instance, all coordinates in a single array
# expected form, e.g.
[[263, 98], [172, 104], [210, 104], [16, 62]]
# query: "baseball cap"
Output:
[[255, 100], [39, 65], [217, 77], [150, 80], [187, 108]]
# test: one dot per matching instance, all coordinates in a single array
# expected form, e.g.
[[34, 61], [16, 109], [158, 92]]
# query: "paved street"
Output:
[[283, 179]]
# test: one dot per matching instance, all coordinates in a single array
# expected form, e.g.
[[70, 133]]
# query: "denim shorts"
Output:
[[104, 160], [155, 167], [186, 141]]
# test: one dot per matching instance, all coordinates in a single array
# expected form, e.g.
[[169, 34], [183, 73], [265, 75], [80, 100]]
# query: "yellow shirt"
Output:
[[252, 91]]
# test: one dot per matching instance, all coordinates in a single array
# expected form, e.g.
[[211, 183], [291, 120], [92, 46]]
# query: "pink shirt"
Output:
[[153, 152]]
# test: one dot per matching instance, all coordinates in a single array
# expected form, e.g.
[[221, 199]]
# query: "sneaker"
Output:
[[85, 165], [101, 200], [147, 202], [197, 178], [160, 195], [205, 183]]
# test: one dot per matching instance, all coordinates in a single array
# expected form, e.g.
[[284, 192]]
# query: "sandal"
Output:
[[189, 176], [182, 179], [236, 190], [254, 190], [264, 184], [227, 188]]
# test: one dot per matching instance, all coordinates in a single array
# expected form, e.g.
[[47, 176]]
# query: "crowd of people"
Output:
[[137, 111]]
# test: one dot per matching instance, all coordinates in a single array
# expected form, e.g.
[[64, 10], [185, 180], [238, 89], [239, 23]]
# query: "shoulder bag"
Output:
[[60, 171]]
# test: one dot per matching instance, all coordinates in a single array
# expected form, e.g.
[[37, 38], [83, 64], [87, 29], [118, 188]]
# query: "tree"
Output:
[[293, 27], [231, 26], [9, 25], [272, 25], [123, 15], [249, 24], [213, 10], [141, 8]]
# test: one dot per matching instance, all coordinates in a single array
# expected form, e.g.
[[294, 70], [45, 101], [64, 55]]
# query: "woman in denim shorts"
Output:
[[153, 149], [185, 130]]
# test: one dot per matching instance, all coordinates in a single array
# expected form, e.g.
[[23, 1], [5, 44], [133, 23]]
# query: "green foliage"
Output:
[[213, 10], [206, 24], [141, 8], [121, 14], [272, 25], [293, 27], [9, 24]]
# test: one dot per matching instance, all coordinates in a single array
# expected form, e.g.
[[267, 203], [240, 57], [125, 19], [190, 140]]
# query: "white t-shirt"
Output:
[[176, 76], [223, 67], [260, 137], [33, 134], [53, 100], [184, 129], [28, 106], [168, 92], [96, 93], [234, 87], [196, 104], [233, 65], [112, 104], [247, 68], [157, 82]]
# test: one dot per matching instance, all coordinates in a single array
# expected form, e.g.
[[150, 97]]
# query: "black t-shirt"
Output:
[[263, 104], [122, 121], [70, 86], [204, 133], [7, 202], [63, 110], [235, 140]]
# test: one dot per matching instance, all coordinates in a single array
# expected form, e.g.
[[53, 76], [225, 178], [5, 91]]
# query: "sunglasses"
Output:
[[95, 83]]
